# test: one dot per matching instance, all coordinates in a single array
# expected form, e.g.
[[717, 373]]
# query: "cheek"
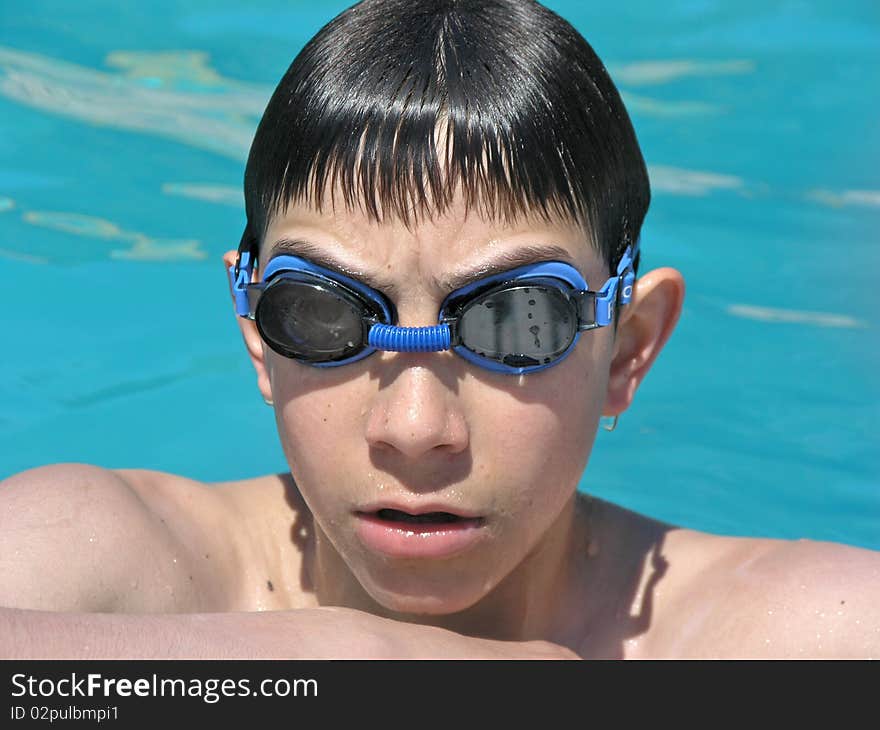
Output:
[[319, 417], [540, 433]]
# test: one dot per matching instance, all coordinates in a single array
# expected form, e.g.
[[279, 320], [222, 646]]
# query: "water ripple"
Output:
[[820, 319], [172, 94], [868, 198], [646, 73], [209, 192], [140, 247], [679, 181]]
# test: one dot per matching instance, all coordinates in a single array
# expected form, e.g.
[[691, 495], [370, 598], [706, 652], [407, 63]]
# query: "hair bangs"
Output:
[[398, 107]]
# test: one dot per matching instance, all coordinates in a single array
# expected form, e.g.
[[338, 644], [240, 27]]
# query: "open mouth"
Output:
[[428, 518], [437, 534], [437, 521]]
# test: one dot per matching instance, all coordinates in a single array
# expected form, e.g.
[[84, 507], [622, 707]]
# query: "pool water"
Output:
[[122, 140]]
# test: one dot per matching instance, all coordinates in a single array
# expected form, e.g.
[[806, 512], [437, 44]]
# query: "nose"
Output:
[[416, 414]]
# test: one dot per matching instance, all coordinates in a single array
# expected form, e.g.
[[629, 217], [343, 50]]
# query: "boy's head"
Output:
[[395, 105], [411, 145]]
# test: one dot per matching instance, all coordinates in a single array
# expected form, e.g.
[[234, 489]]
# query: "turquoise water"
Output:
[[122, 140]]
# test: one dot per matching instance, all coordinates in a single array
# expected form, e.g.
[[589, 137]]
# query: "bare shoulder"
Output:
[[747, 597], [244, 540], [78, 537], [71, 536]]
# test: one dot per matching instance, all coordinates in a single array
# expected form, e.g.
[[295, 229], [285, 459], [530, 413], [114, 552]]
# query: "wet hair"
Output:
[[395, 103]]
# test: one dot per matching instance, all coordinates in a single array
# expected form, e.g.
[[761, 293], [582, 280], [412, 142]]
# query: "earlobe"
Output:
[[645, 326]]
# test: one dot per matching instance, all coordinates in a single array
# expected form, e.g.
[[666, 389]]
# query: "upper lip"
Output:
[[421, 508]]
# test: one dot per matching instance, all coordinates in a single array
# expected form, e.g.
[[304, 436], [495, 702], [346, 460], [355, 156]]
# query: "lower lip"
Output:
[[417, 540]]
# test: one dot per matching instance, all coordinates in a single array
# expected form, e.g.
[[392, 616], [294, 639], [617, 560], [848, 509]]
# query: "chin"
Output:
[[424, 598], [424, 606]]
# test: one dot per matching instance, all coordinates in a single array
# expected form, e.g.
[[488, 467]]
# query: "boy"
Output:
[[437, 289]]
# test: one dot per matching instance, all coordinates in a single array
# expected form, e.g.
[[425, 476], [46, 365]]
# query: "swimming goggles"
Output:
[[518, 321]]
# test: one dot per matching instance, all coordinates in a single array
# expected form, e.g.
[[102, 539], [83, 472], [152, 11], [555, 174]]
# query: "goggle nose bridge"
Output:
[[392, 338]]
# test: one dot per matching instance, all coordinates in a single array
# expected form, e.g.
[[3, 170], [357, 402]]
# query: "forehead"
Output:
[[440, 245]]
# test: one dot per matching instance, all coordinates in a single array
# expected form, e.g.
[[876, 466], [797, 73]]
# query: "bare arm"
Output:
[[315, 633]]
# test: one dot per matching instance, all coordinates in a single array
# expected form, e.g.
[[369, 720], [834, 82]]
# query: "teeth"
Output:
[[429, 517]]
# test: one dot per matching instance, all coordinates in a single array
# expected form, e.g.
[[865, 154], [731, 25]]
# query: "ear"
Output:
[[252, 340], [644, 327]]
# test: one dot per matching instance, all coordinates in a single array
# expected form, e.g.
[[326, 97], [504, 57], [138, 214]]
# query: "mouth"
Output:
[[393, 516], [429, 534]]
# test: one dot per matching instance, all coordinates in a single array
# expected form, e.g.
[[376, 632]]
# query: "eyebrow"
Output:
[[314, 254], [505, 261], [501, 262]]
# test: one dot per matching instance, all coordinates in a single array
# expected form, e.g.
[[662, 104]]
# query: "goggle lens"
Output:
[[309, 321], [520, 326]]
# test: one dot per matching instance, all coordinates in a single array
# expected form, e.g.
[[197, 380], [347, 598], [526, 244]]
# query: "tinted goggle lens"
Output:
[[310, 321], [519, 326]]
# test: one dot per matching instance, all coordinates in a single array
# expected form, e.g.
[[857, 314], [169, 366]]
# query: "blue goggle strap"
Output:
[[617, 290], [240, 276]]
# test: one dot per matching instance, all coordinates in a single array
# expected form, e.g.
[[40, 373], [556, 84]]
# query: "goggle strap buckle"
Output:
[[605, 299], [239, 277], [626, 288]]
